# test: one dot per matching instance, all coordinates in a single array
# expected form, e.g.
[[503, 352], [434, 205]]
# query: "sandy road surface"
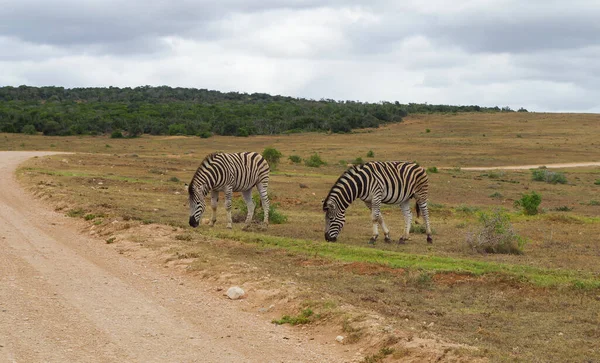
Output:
[[65, 297]]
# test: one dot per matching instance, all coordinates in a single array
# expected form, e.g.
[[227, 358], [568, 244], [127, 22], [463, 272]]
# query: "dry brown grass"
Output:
[[130, 181]]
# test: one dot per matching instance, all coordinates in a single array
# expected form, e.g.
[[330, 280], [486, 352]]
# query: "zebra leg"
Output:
[[214, 199], [250, 206], [425, 212], [264, 200], [375, 216], [405, 206], [386, 231], [228, 196]]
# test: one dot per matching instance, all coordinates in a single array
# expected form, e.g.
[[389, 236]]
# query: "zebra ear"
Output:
[[187, 187]]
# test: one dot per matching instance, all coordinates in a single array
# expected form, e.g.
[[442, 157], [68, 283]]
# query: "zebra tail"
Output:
[[417, 209]]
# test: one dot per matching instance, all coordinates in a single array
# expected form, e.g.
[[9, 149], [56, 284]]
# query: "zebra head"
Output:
[[335, 217], [197, 203]]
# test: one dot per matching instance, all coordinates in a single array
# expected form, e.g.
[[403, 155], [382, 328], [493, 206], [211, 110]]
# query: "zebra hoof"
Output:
[[372, 240], [387, 240], [429, 239], [402, 241]]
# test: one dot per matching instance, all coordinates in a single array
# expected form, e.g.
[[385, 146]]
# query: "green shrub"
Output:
[[275, 216], [432, 169], [29, 130], [272, 156], [529, 203], [597, 182], [314, 161], [427, 131], [174, 179], [548, 176], [116, 134], [370, 154], [496, 235], [205, 134], [295, 159], [305, 317], [358, 161]]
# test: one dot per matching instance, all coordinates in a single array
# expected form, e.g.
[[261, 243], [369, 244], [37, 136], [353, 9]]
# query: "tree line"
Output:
[[189, 111]]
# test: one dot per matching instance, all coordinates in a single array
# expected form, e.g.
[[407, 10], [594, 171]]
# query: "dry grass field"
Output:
[[541, 305]]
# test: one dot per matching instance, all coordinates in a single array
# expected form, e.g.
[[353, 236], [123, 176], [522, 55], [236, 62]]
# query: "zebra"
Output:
[[376, 182], [229, 172]]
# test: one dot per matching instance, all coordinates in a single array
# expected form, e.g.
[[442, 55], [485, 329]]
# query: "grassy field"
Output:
[[541, 305]]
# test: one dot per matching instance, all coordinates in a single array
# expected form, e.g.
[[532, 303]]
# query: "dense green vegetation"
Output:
[[188, 111]]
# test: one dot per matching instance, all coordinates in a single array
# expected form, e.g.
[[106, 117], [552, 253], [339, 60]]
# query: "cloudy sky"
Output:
[[543, 55]]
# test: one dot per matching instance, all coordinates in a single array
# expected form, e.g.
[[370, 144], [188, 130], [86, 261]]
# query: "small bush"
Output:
[[29, 130], [110, 240], [117, 134], [275, 216], [594, 202], [419, 228], [174, 179], [496, 235], [295, 159], [205, 134], [427, 131], [496, 195], [358, 161], [89, 217], [529, 203], [597, 182], [305, 317], [272, 156], [548, 176], [370, 154], [107, 146], [432, 169], [314, 161]]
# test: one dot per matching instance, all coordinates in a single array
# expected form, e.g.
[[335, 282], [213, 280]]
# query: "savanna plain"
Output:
[[421, 302]]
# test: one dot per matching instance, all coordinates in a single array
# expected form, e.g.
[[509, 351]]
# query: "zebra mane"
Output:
[[207, 159], [345, 173]]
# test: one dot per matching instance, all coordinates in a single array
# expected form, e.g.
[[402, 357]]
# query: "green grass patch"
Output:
[[433, 264], [305, 317]]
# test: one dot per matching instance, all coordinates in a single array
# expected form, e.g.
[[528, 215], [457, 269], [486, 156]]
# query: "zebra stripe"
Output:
[[228, 173], [376, 182]]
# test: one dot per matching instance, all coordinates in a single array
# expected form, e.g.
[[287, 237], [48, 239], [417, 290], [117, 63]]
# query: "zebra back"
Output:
[[241, 170]]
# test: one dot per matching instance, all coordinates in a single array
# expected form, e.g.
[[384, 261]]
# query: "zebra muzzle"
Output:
[[193, 222]]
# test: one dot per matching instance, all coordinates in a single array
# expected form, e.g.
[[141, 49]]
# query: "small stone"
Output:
[[235, 292], [339, 339]]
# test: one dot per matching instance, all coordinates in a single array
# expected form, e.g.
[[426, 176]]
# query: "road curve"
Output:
[[65, 297]]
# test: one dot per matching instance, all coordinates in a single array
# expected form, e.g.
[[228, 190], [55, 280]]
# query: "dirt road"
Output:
[[65, 297]]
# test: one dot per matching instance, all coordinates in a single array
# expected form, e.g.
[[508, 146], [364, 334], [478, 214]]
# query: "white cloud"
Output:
[[539, 55]]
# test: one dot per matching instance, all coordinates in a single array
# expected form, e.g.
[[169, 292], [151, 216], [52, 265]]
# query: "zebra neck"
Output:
[[349, 187], [204, 178]]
